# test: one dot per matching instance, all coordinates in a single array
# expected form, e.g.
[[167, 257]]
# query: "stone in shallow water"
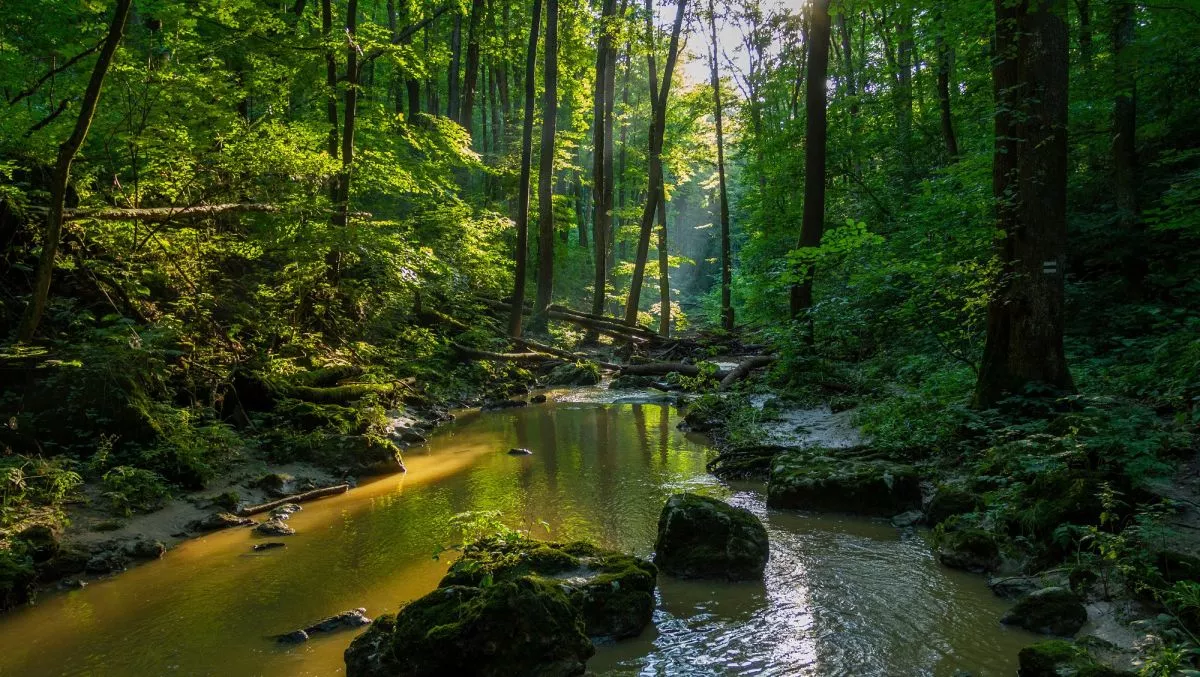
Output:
[[285, 511], [519, 451], [274, 528], [842, 480], [613, 591], [219, 520], [1050, 611], [970, 549], [701, 537], [525, 626]]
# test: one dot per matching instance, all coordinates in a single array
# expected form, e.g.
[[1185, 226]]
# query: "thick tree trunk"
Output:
[[1085, 31], [472, 74], [657, 131], [813, 224], [545, 259], [1024, 346], [62, 173], [722, 193], [518, 300], [944, 55]]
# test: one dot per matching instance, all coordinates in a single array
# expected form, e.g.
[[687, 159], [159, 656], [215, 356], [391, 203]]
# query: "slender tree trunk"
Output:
[[617, 252], [664, 265], [905, 78], [602, 190], [472, 75], [813, 224], [498, 128], [722, 193], [518, 299], [453, 100], [1124, 142], [1024, 345], [657, 130], [62, 173], [545, 272], [943, 88], [331, 82], [341, 206]]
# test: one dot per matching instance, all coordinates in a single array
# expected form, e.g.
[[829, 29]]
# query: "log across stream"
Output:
[[842, 595]]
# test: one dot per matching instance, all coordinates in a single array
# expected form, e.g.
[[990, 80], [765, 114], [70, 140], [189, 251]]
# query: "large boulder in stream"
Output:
[[577, 374], [1050, 611], [525, 626], [842, 480], [1056, 657], [701, 537], [613, 592]]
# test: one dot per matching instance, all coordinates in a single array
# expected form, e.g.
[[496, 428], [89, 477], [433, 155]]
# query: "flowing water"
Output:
[[842, 596]]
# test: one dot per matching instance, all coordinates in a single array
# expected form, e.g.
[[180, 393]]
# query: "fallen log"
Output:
[[606, 326], [165, 214], [565, 354], [664, 368], [295, 498], [503, 357], [743, 370]]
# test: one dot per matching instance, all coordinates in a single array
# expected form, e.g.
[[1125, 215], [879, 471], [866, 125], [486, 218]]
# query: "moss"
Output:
[[968, 548], [840, 481], [17, 576], [578, 374], [1050, 611], [949, 500], [631, 382], [521, 627], [340, 394], [613, 591], [1056, 657], [701, 537]]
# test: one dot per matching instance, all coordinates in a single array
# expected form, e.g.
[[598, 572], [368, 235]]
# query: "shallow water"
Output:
[[843, 596]]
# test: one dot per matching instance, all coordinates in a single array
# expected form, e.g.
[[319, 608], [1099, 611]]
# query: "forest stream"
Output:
[[842, 595]]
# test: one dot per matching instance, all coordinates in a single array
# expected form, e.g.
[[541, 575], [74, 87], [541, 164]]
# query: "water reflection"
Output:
[[841, 596]]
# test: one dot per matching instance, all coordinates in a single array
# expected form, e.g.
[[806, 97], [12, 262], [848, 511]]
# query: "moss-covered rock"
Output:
[[613, 591], [842, 481], [1050, 611], [525, 626], [968, 548], [631, 382], [358, 454], [577, 374], [701, 537], [1057, 657], [17, 577], [949, 500]]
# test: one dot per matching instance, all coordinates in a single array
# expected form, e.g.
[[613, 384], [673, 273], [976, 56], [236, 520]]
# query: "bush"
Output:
[[129, 489]]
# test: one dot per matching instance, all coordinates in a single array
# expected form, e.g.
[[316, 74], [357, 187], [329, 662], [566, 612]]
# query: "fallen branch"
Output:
[[565, 354], [743, 370], [295, 498], [504, 357], [664, 368], [165, 214]]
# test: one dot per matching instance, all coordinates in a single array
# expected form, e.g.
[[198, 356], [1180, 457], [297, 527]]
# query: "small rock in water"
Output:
[[285, 511], [219, 520], [267, 546], [519, 451], [145, 548], [908, 519], [72, 584], [274, 527], [538, 399], [354, 618]]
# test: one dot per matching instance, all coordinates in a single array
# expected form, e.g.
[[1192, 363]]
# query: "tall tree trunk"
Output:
[[1124, 141], [545, 271], [602, 189], [905, 79], [1024, 345], [518, 299], [723, 195], [1085, 31], [657, 129], [943, 88], [331, 82], [341, 207], [453, 100], [498, 127], [472, 74], [813, 224], [62, 173]]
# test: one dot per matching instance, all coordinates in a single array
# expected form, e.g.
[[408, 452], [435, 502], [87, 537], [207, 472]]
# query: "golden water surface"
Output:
[[842, 596]]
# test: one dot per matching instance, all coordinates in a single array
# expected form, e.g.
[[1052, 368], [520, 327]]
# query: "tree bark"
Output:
[[944, 53], [62, 172], [545, 272], [522, 254], [657, 130], [1024, 345], [1085, 31], [472, 74], [452, 85], [664, 267], [602, 190], [722, 193], [813, 224]]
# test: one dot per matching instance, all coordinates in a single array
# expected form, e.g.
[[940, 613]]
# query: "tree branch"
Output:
[[55, 71]]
